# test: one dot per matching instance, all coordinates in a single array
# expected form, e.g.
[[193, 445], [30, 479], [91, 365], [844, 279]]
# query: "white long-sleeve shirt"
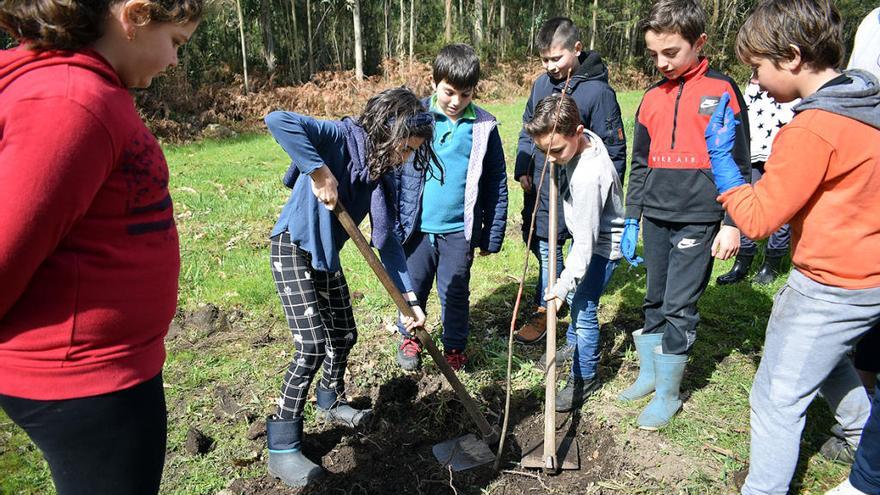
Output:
[[866, 47], [592, 203]]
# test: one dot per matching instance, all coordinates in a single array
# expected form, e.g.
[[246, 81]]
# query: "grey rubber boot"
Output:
[[644, 384], [334, 409], [575, 392], [286, 460], [668, 371]]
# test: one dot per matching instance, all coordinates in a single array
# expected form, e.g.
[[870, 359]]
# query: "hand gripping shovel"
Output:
[[459, 453]]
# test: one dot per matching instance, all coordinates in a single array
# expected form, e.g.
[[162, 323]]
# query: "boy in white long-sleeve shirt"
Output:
[[592, 204]]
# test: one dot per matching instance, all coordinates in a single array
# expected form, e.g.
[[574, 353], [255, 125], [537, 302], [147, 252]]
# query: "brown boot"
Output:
[[534, 330]]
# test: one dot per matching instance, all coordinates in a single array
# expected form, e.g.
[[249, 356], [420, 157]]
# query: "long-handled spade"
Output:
[[459, 453], [552, 454]]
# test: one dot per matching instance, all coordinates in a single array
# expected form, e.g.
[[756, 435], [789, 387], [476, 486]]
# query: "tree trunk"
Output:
[[713, 21], [268, 38], [402, 33], [503, 34], [247, 88], [412, 27], [386, 46], [532, 30], [358, 42], [478, 24], [309, 36], [338, 54], [295, 52], [490, 17], [448, 25], [593, 25]]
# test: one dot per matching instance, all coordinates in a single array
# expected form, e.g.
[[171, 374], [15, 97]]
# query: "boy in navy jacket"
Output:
[[445, 215], [561, 50]]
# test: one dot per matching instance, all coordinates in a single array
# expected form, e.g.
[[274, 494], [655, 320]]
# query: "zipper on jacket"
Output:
[[675, 113]]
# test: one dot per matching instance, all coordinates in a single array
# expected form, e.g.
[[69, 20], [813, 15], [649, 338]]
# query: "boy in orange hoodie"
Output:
[[822, 178]]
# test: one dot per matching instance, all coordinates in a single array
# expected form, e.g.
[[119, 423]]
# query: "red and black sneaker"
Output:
[[456, 359], [409, 354]]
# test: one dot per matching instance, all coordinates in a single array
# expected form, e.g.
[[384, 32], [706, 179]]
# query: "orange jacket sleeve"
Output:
[[792, 175]]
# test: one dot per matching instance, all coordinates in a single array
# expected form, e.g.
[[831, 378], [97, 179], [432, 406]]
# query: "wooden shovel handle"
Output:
[[490, 435]]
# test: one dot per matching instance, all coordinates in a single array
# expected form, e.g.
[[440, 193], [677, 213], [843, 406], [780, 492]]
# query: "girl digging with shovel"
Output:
[[350, 161]]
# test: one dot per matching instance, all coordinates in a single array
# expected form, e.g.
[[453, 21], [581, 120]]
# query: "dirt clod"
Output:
[[198, 443], [257, 430], [206, 321], [226, 405]]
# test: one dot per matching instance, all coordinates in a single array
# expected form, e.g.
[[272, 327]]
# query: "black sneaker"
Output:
[[838, 450], [575, 393], [409, 354], [563, 354]]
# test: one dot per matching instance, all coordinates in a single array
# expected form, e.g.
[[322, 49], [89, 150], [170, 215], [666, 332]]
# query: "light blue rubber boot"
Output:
[[668, 370], [644, 384]]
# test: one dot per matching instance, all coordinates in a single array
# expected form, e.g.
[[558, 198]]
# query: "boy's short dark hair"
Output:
[[557, 31], [685, 17], [459, 65], [559, 110], [814, 26]]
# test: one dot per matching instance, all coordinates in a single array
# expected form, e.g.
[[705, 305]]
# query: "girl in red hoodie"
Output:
[[89, 254]]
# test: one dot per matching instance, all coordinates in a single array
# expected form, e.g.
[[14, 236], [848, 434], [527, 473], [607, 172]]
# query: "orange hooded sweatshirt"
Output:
[[823, 178]]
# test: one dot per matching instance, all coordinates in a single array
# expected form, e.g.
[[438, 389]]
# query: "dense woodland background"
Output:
[[326, 46]]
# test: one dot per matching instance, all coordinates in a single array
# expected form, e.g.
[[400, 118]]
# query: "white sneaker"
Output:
[[845, 488]]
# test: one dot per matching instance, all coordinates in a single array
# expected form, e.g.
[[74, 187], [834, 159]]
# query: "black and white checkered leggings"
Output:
[[318, 309]]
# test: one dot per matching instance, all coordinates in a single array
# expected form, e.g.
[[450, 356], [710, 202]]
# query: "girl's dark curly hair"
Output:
[[389, 119], [72, 24]]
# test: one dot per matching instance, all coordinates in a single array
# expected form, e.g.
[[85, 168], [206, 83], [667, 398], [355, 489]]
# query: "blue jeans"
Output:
[[541, 249], [448, 259], [865, 473], [583, 332]]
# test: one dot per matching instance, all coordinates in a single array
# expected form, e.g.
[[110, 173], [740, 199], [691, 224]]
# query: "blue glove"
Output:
[[720, 135], [629, 240]]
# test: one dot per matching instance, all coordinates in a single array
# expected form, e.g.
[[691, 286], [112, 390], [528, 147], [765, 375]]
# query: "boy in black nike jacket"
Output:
[[671, 187]]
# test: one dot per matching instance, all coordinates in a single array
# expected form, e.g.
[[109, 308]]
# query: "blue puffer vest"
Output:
[[485, 201]]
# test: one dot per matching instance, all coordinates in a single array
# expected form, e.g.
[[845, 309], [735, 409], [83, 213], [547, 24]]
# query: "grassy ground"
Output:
[[227, 196]]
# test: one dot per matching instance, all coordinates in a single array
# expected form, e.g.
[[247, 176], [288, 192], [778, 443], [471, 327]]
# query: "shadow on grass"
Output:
[[733, 318]]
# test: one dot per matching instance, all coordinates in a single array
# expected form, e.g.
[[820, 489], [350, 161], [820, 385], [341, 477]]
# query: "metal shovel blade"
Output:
[[463, 452], [568, 455]]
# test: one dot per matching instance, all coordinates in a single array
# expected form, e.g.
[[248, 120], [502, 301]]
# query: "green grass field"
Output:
[[227, 197]]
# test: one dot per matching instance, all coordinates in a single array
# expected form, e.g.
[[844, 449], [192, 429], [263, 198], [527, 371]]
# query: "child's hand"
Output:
[[525, 182], [324, 186], [483, 252], [551, 298], [726, 243], [412, 323]]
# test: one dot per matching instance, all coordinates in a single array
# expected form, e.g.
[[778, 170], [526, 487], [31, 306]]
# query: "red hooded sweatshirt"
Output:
[[89, 255]]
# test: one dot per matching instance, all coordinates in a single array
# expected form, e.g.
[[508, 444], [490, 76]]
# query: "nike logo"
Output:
[[708, 103], [687, 243]]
